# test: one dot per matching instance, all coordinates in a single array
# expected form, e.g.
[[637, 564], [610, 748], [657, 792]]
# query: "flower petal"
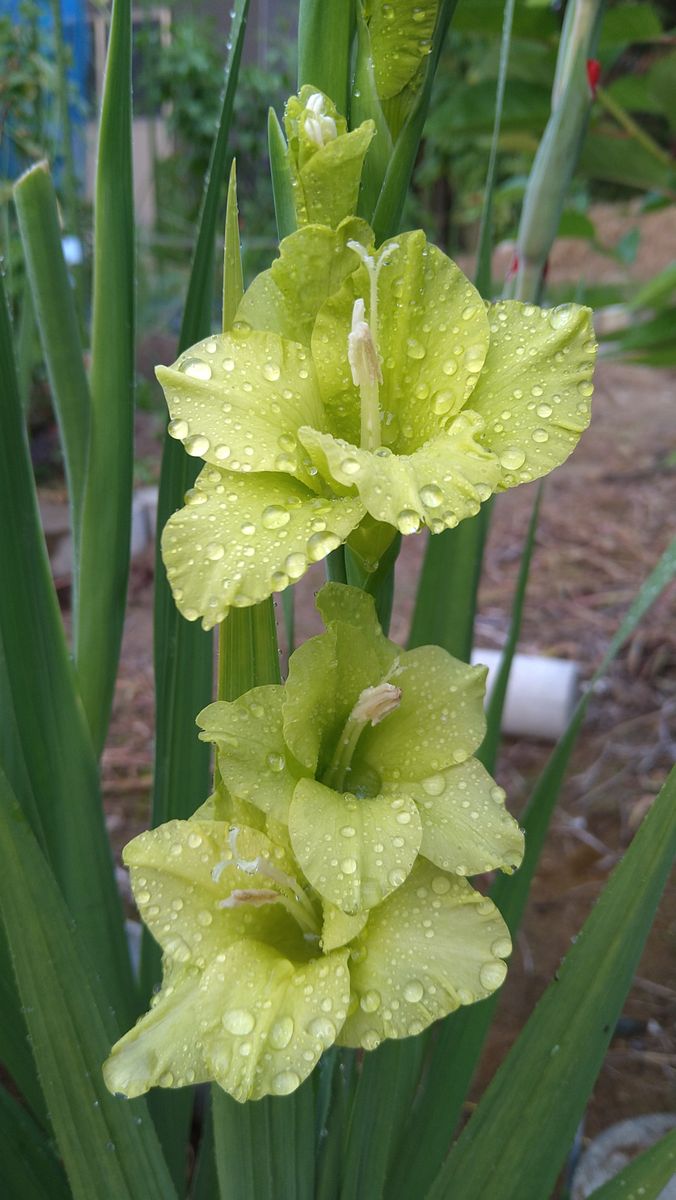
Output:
[[253, 758], [433, 945], [313, 263], [326, 167], [340, 604], [237, 399], [339, 927], [253, 1021], [432, 336], [439, 485], [534, 392], [439, 722], [182, 872], [327, 674], [353, 851], [242, 537], [466, 827]]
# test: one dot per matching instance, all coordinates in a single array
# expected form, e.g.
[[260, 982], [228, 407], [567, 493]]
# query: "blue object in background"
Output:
[[76, 35]]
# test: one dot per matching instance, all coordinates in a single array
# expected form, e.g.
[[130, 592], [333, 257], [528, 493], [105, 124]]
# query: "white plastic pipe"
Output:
[[541, 693]]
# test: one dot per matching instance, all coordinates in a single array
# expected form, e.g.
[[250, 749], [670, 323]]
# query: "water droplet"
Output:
[[221, 452], [540, 435], [404, 818], [321, 544], [443, 403], [348, 831], [415, 349], [285, 1082], [194, 841], [370, 1001], [276, 762], [178, 429], [166, 1080], [434, 785], [281, 1033], [370, 1039], [348, 866], [228, 364], [560, 316], [350, 466], [239, 1021], [275, 517], [431, 496], [196, 368], [295, 565], [197, 446], [468, 313], [544, 410], [396, 877], [413, 991], [271, 371], [492, 974], [512, 458], [215, 551], [441, 885], [585, 389], [474, 358], [502, 948], [322, 1029], [450, 367], [204, 917], [408, 521]]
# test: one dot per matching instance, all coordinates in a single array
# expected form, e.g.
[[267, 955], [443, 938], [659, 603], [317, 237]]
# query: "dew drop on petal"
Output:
[[285, 1082], [512, 458], [281, 1033], [413, 991], [560, 316], [276, 762], [196, 368], [450, 367], [350, 466], [178, 428], [441, 885], [502, 948], [408, 521], [222, 452], [215, 551], [323, 1030], [197, 446], [275, 517], [431, 496], [238, 1021], [348, 866], [492, 974], [540, 435], [434, 785], [295, 565], [370, 1001], [271, 371], [321, 544]]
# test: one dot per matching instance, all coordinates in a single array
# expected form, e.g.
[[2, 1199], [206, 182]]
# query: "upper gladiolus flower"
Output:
[[365, 755], [358, 382]]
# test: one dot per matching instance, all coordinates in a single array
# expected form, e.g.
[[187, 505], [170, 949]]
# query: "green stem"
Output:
[[634, 130]]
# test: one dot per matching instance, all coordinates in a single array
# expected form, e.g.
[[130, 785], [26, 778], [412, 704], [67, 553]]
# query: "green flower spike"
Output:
[[258, 982], [357, 383], [325, 160], [365, 754]]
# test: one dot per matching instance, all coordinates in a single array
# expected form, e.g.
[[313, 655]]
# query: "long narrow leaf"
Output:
[[482, 276], [454, 1056], [106, 519], [54, 306], [449, 582], [109, 1148], [28, 1167], [489, 748], [282, 184], [324, 35], [530, 1111], [54, 739], [646, 1176], [183, 652]]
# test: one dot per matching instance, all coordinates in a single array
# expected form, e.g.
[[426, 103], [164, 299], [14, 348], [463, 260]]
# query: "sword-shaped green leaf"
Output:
[[646, 1176], [109, 1148], [29, 1169], [531, 1109]]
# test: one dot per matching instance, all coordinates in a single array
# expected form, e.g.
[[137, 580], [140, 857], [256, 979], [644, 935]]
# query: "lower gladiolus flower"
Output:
[[260, 976]]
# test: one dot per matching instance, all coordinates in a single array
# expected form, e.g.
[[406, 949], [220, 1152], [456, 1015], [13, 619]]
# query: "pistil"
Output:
[[373, 705], [362, 347]]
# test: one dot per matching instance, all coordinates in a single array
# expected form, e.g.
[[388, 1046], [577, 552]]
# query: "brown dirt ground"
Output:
[[607, 516]]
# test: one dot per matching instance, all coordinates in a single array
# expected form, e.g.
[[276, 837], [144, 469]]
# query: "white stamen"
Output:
[[376, 703], [319, 126], [254, 896], [361, 351]]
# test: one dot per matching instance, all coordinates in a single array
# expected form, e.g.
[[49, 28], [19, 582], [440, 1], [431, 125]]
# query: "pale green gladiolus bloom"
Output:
[[260, 978], [365, 756], [358, 385], [324, 158]]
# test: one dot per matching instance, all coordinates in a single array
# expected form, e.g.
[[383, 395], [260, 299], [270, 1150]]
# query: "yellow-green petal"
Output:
[[340, 604], [326, 676], [432, 336], [354, 851], [237, 399], [439, 722], [242, 537], [438, 485], [313, 263], [466, 827], [340, 927], [253, 1021], [535, 390], [326, 161], [253, 759], [183, 871], [433, 945]]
